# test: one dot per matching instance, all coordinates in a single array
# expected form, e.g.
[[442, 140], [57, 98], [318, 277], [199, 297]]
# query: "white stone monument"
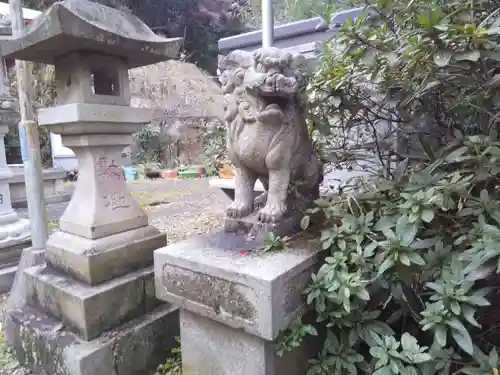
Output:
[[14, 232], [92, 309]]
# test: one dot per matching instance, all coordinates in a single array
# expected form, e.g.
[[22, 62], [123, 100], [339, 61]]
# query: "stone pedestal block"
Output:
[[210, 347], [52, 194], [135, 348], [234, 306], [89, 311], [10, 255], [96, 261]]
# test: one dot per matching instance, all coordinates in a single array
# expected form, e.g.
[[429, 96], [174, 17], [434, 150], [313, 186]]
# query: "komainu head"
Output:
[[265, 71]]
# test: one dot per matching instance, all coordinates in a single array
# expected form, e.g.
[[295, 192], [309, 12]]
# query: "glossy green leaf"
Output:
[[442, 58]]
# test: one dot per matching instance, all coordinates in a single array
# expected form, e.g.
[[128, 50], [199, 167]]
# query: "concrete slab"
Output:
[[89, 311], [10, 251], [49, 199], [85, 116], [43, 345], [17, 186], [10, 254], [227, 185], [7, 276]]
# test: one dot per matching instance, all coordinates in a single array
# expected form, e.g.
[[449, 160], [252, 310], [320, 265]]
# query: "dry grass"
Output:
[[177, 88], [169, 86]]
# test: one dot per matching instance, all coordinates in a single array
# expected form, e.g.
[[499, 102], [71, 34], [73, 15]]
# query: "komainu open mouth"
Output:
[[272, 111]]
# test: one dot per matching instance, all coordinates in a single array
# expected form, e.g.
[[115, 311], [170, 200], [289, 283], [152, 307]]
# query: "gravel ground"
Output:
[[181, 208], [177, 207]]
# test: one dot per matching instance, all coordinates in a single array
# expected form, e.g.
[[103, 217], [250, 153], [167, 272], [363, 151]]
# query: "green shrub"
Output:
[[404, 286], [151, 144], [173, 364], [408, 286], [8, 363], [214, 148]]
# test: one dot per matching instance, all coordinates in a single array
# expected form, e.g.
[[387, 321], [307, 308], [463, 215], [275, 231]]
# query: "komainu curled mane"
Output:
[[267, 134]]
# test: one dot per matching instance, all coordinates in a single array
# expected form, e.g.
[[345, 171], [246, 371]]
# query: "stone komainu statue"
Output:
[[267, 134]]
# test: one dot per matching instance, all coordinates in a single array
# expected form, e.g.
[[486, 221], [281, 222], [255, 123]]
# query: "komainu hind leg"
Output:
[[276, 207]]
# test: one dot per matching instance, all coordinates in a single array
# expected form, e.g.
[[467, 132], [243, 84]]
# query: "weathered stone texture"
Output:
[[135, 349], [233, 306], [221, 295], [254, 292], [211, 348], [51, 193], [14, 232], [97, 261], [9, 259], [89, 311]]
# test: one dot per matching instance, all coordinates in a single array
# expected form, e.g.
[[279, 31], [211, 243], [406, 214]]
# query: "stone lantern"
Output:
[[95, 295]]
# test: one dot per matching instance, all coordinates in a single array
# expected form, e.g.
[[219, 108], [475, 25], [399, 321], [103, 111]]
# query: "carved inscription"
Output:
[[111, 176], [214, 293]]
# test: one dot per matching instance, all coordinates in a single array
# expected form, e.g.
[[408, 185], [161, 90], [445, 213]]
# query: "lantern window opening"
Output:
[[105, 82]]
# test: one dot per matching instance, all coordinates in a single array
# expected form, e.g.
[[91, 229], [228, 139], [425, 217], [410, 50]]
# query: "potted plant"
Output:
[[225, 168], [215, 154]]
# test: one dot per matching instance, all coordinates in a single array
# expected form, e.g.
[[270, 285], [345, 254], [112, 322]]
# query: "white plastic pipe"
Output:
[[267, 23], [29, 139]]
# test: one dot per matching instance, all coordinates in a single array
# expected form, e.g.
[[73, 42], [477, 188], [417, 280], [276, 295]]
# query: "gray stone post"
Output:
[[91, 309]]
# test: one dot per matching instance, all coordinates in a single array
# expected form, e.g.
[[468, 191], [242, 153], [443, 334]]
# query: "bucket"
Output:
[[170, 173], [226, 171], [130, 173]]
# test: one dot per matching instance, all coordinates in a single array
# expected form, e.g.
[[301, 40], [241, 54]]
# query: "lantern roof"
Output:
[[82, 25]]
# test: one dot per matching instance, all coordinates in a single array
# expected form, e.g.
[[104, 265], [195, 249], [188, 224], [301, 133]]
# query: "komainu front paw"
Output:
[[261, 200], [272, 213], [238, 209]]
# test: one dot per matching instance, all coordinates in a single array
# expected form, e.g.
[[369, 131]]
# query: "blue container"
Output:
[[130, 173]]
